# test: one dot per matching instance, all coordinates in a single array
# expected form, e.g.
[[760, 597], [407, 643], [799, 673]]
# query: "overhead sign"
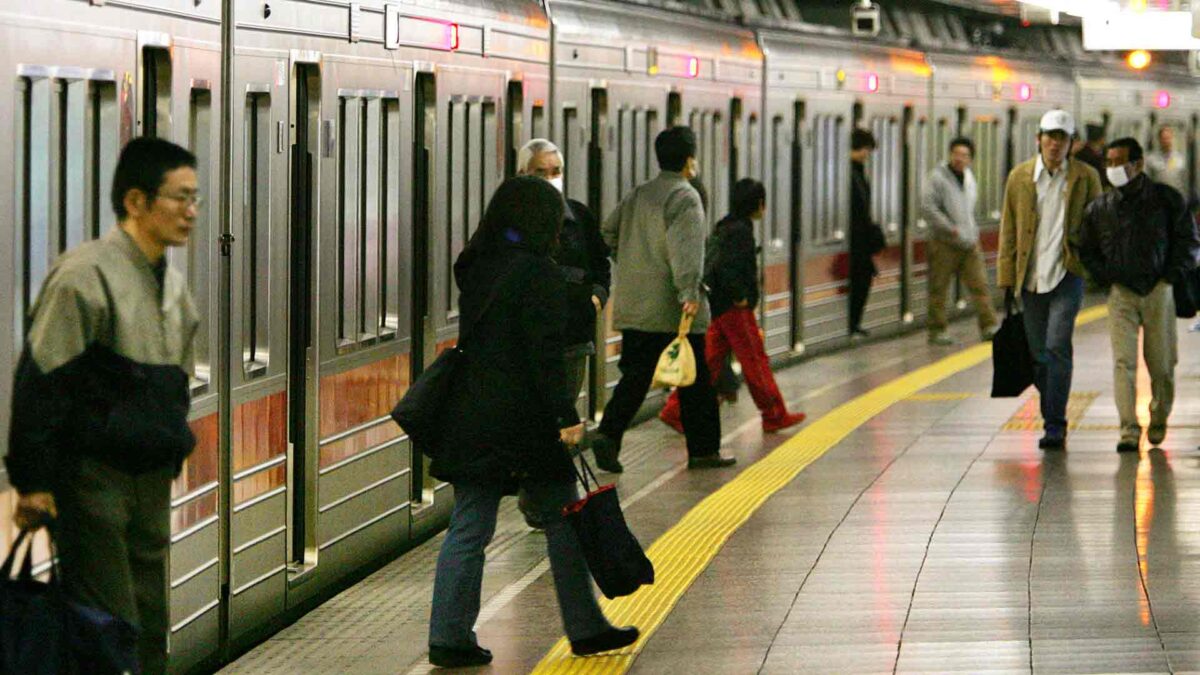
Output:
[[1140, 30]]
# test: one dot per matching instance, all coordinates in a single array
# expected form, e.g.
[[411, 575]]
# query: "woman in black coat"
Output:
[[509, 418]]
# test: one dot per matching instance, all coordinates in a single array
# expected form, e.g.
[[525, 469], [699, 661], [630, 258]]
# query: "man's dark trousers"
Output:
[[698, 403]]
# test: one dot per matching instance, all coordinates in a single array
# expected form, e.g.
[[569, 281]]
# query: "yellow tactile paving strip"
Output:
[[684, 551], [941, 396], [1029, 417]]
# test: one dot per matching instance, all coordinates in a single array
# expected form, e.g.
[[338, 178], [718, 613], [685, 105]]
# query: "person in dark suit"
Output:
[[511, 417], [866, 238]]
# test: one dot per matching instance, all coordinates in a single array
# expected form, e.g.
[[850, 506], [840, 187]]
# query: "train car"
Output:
[[621, 75]]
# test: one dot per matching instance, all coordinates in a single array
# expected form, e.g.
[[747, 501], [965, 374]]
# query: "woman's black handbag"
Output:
[[614, 556], [1012, 363], [419, 411]]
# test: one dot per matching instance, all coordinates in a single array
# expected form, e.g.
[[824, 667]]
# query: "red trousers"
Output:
[[736, 330]]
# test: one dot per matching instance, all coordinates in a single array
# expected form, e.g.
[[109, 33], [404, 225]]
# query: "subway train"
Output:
[[366, 140]]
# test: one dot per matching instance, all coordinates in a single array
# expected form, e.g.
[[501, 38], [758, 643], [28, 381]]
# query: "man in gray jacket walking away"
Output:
[[657, 239], [948, 205]]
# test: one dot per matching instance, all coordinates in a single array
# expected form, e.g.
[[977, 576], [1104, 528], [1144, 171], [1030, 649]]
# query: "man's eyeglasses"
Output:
[[191, 199]]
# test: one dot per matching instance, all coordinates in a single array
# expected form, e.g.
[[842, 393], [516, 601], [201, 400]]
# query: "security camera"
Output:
[[864, 18]]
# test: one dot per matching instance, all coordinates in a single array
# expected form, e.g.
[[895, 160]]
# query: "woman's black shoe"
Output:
[[613, 638], [447, 657]]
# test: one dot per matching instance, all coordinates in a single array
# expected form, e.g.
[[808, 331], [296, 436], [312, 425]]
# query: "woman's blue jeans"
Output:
[[458, 584]]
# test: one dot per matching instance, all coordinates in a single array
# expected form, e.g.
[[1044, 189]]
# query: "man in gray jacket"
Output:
[[657, 239], [948, 205]]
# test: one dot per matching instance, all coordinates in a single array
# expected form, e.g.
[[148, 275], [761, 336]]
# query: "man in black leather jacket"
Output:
[[1139, 239]]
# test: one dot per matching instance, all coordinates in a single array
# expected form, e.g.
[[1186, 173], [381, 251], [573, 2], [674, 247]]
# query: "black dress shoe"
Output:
[[605, 450], [713, 461], [1127, 446], [613, 638], [859, 332], [1052, 442], [449, 657]]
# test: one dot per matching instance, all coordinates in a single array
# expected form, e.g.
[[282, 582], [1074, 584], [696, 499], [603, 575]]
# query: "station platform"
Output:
[[911, 524]]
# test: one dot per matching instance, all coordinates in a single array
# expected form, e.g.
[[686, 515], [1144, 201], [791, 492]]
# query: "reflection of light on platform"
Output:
[[1143, 513]]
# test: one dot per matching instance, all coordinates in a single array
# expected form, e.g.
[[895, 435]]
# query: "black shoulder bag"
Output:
[[419, 412]]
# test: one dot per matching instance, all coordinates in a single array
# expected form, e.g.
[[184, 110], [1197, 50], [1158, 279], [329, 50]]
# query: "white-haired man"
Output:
[[1040, 228]]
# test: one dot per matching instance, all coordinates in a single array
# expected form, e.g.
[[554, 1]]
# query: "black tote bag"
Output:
[[1012, 363], [32, 618], [614, 557]]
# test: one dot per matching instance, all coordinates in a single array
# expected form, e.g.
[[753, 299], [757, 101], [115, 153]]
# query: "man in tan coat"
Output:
[[1044, 201]]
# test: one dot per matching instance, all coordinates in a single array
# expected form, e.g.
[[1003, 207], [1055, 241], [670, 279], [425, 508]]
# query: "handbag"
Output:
[[41, 631], [419, 411], [677, 363], [1012, 362], [32, 626], [614, 557]]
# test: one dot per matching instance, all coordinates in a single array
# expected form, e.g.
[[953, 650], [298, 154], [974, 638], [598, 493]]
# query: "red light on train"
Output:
[[693, 67], [1162, 99], [872, 82], [1024, 91], [452, 36]]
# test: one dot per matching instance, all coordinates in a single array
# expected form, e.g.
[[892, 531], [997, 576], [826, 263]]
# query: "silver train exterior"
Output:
[[367, 138]]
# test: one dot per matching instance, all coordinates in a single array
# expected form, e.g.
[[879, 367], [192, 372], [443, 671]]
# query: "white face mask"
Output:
[[1117, 175], [557, 183]]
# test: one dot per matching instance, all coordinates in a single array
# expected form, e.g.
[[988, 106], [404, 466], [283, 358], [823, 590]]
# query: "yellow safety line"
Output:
[[684, 551]]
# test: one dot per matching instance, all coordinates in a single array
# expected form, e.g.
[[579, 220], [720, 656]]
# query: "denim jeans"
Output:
[[459, 580], [1049, 326]]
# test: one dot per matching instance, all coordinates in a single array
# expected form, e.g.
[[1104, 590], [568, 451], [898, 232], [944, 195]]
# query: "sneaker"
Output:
[[788, 420], [449, 657], [605, 450], [670, 417], [1156, 434], [1127, 446], [941, 340], [613, 638], [713, 461], [1053, 442]]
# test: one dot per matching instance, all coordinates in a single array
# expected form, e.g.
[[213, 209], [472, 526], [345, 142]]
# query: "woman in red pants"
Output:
[[731, 273]]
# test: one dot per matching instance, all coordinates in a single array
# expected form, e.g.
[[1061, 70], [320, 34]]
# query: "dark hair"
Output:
[[673, 147], [963, 141], [748, 195], [861, 138], [1130, 144], [143, 165], [1095, 132], [530, 207], [700, 190]]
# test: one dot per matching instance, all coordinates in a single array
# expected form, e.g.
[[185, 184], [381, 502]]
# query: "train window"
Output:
[[538, 121], [473, 160], [198, 265], [514, 113], [829, 160], [776, 203], [710, 167], [389, 180], [156, 92], [922, 165], [652, 129], [985, 134], [598, 187], [625, 151], [753, 161], [66, 154], [570, 135], [641, 167], [737, 158], [886, 171], [488, 162], [370, 233], [256, 229], [457, 161], [674, 108]]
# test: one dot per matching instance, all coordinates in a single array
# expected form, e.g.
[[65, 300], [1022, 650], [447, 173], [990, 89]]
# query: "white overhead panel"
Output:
[[1140, 30]]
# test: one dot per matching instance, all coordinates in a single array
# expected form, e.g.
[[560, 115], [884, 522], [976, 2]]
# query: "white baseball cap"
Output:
[[1058, 120]]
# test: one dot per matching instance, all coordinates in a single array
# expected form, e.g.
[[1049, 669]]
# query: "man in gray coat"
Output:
[[948, 205], [657, 239]]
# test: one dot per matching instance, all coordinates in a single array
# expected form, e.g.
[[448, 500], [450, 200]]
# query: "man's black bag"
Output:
[[1012, 363], [419, 412], [614, 556], [32, 618]]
